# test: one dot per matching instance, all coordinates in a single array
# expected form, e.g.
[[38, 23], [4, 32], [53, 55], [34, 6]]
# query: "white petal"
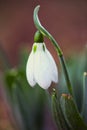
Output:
[[42, 71], [54, 71], [30, 69]]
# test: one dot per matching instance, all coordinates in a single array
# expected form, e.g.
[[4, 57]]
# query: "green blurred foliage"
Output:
[[77, 65], [27, 103], [71, 112]]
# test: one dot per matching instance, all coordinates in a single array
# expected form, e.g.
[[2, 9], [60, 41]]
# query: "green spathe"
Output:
[[38, 37]]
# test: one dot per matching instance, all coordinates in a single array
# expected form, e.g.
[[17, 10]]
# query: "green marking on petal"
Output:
[[34, 48], [43, 48]]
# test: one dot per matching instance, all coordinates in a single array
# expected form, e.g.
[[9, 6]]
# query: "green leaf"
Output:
[[10, 79], [71, 113], [84, 112], [31, 110], [27, 103], [57, 113], [77, 65]]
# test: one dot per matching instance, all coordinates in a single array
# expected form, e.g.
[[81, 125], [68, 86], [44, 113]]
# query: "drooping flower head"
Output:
[[41, 67]]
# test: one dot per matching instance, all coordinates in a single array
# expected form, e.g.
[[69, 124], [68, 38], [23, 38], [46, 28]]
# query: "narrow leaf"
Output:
[[84, 112], [57, 113], [71, 113]]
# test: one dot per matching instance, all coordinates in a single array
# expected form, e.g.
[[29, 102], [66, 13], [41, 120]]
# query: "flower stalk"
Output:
[[84, 90], [57, 47]]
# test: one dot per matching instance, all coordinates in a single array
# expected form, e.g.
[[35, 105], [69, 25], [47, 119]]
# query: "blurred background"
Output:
[[65, 20]]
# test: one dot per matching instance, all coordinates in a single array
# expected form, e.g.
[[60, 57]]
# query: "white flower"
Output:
[[41, 67]]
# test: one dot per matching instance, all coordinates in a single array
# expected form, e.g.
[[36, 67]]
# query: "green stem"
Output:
[[44, 31], [84, 90], [59, 51]]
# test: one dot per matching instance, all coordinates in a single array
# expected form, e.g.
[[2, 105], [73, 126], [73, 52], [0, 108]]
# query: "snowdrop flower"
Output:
[[41, 67]]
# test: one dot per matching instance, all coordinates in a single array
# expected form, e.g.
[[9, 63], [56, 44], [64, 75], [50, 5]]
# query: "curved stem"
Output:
[[59, 51], [44, 31]]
